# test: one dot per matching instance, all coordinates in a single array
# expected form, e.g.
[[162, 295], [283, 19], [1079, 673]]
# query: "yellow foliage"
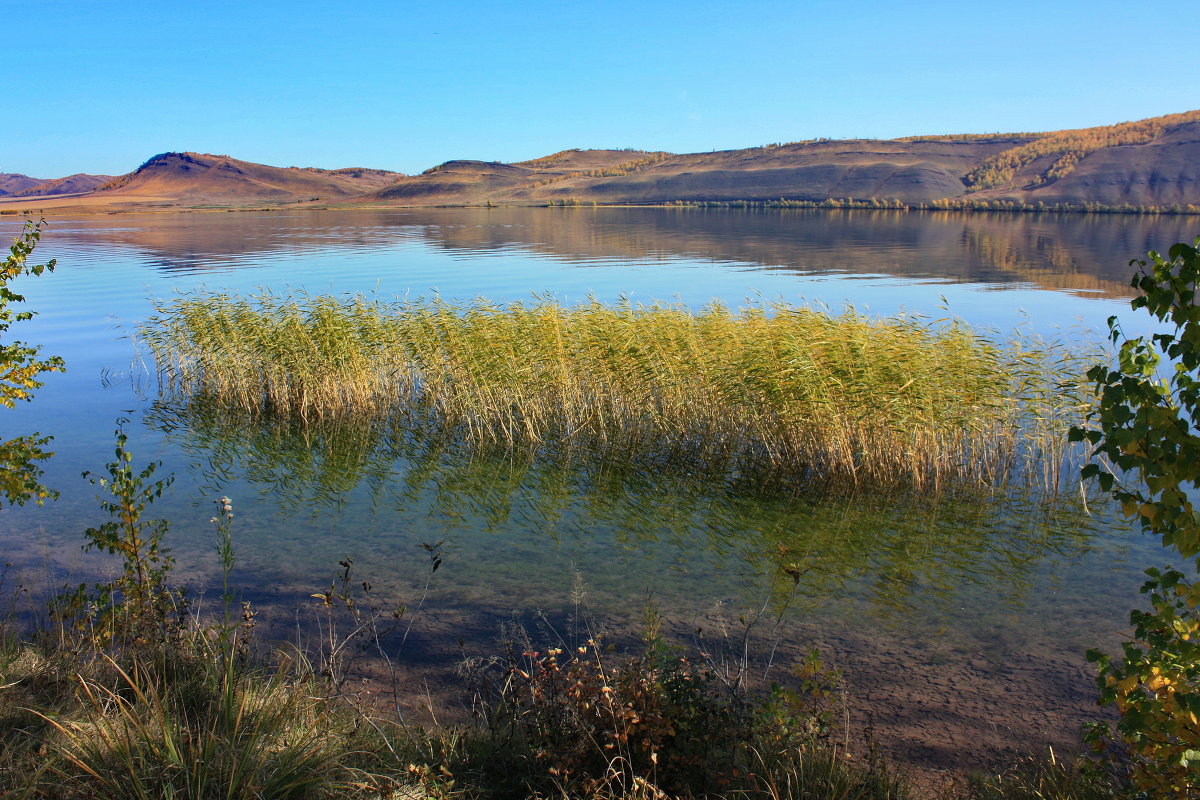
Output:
[[1069, 147]]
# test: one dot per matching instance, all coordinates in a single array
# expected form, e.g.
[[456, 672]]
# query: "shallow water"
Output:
[[965, 585]]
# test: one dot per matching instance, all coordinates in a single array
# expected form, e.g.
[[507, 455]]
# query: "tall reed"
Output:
[[806, 392]]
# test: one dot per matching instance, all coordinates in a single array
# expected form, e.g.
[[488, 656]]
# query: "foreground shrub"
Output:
[[21, 365], [656, 725], [1147, 454]]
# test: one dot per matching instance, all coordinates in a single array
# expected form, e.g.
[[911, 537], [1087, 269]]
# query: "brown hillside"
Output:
[[78, 183], [198, 178], [1161, 169], [1052, 156], [1151, 162], [576, 160], [12, 182], [456, 181], [478, 182], [914, 172]]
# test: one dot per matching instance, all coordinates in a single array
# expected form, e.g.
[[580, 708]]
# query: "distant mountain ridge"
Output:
[[12, 182], [1148, 163], [15, 185], [72, 184]]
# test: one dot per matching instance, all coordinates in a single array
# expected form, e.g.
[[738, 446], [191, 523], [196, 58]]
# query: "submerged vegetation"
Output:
[[909, 557], [162, 702], [813, 396]]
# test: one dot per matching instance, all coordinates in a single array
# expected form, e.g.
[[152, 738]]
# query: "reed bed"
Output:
[[801, 391]]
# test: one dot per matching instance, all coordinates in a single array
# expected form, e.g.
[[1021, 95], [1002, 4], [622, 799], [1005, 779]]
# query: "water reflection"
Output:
[[1010, 578], [1075, 252], [905, 556]]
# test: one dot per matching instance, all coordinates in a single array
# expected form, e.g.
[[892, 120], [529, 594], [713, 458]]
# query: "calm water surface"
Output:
[[973, 577]]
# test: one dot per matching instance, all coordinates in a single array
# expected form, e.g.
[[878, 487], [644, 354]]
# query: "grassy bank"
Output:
[[186, 717], [809, 394], [197, 710]]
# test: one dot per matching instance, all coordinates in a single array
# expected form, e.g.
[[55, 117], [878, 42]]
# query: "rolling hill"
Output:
[[14, 185], [11, 183], [1152, 162], [78, 183], [201, 178]]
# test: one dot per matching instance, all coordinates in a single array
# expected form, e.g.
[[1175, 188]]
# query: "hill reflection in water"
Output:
[[1074, 252]]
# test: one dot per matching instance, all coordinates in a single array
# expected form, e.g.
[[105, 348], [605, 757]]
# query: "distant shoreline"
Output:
[[15, 209]]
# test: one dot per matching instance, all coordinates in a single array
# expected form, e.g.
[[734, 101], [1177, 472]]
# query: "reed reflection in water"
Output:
[[633, 522]]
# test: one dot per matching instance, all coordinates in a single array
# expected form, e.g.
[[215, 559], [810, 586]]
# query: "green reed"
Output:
[[805, 392]]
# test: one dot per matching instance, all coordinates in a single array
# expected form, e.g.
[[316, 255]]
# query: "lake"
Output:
[[960, 622]]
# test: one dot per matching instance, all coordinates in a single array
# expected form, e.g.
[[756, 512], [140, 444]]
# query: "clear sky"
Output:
[[101, 86]]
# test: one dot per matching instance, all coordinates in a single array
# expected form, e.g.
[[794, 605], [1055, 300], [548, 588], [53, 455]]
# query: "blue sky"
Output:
[[100, 87]]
